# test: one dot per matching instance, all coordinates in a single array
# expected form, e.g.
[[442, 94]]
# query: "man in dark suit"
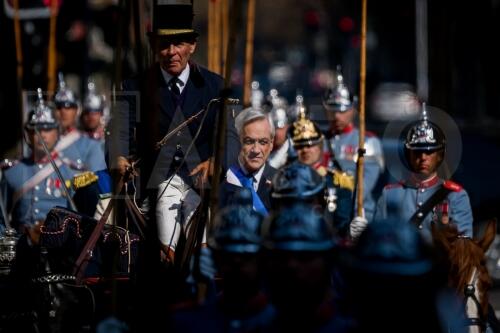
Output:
[[256, 133], [157, 101]]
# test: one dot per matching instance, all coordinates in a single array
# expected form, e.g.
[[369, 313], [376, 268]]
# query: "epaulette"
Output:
[[393, 185], [452, 186], [323, 171], [7, 164], [84, 179], [343, 180]]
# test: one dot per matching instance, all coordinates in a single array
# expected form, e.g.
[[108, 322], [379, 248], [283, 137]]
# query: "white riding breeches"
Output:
[[176, 204]]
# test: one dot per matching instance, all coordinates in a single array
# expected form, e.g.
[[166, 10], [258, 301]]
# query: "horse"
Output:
[[465, 261]]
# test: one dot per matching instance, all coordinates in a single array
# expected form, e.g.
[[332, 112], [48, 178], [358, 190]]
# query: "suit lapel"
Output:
[[165, 100], [264, 188], [192, 98]]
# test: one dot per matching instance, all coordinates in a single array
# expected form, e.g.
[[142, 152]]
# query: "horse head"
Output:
[[465, 260]]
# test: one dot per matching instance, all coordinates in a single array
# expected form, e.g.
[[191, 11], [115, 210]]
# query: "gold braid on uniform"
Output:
[[343, 180], [84, 179]]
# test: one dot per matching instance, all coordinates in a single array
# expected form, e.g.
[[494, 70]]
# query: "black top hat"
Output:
[[173, 18]]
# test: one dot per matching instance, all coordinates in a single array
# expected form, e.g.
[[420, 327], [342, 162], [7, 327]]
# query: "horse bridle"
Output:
[[470, 294]]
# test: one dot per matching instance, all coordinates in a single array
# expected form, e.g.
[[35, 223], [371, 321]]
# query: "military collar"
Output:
[[69, 130], [97, 134], [348, 129], [45, 160], [416, 183], [322, 164]]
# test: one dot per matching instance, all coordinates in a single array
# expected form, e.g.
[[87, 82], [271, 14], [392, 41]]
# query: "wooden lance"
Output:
[[362, 84]]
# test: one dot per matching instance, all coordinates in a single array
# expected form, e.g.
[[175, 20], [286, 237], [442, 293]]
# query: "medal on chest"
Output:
[[441, 213]]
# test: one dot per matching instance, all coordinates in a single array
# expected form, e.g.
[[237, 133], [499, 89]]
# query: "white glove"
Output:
[[358, 224]]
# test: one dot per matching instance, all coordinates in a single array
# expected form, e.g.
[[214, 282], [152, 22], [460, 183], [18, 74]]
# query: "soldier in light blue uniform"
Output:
[[74, 145], [424, 149], [31, 185], [91, 120], [308, 142], [344, 139]]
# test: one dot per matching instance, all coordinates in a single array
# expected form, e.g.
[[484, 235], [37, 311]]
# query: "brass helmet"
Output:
[[304, 132]]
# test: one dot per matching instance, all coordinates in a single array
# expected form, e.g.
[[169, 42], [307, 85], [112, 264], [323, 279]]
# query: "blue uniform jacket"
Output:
[[345, 146], [85, 154], [35, 203], [400, 201]]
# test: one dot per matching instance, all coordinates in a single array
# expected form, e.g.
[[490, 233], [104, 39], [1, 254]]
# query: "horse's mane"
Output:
[[464, 256]]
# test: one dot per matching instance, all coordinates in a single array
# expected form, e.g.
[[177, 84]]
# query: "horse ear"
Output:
[[489, 235]]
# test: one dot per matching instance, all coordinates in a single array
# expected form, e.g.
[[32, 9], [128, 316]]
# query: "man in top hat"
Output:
[[173, 89], [87, 154], [308, 142], [252, 171], [424, 197], [344, 138], [91, 119], [32, 185]]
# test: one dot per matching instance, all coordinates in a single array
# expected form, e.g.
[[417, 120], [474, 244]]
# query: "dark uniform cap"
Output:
[[64, 97], [338, 98], [393, 248], [425, 135], [173, 18], [305, 132], [296, 181], [93, 102], [41, 116], [300, 228], [237, 227]]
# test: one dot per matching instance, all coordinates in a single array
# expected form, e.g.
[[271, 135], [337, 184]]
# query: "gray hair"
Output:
[[249, 115]]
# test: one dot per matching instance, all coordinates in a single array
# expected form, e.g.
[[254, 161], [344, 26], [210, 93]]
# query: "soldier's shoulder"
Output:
[[6, 164], [84, 179], [201, 76], [452, 186], [370, 134], [343, 180], [101, 179], [206, 72]]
